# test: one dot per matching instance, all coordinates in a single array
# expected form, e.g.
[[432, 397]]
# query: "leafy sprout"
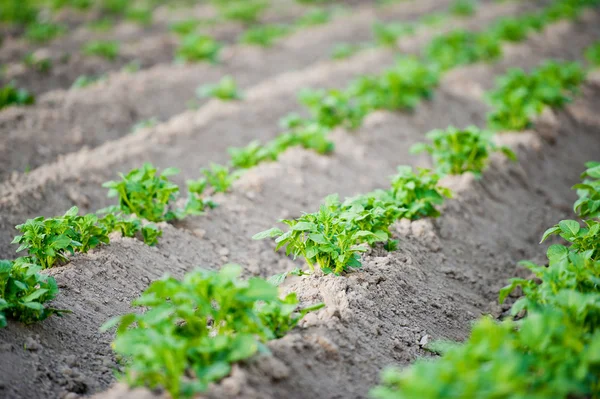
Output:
[[225, 90], [457, 151], [105, 49]]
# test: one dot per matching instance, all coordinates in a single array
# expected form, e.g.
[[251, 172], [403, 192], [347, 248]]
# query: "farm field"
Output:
[[295, 199]]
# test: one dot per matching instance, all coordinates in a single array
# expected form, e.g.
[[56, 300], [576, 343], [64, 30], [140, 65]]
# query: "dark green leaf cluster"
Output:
[[194, 48], [457, 151], [334, 237], [225, 90], [11, 95], [145, 193], [520, 96], [194, 329], [552, 352], [517, 29], [104, 49], [23, 292], [588, 204]]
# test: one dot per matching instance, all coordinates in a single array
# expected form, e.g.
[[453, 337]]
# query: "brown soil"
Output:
[[446, 273]]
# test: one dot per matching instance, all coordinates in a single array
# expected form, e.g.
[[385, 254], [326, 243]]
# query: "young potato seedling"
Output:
[[247, 11], [145, 193], [519, 96], [24, 291], [43, 32], [225, 90], [220, 177], [588, 204], [461, 47], [195, 48], [332, 108], [194, 329], [463, 8], [12, 95], [387, 34], [105, 49], [265, 35], [457, 151], [592, 54]]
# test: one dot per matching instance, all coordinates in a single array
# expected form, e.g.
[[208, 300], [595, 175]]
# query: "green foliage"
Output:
[[131, 226], [140, 15], [418, 192], [457, 151], [461, 47], [184, 27], [225, 90], [145, 193], [321, 238], [21, 12], [247, 11], [42, 65], [400, 87], [85, 81], [194, 48], [48, 241], [387, 34], [198, 327], [463, 8], [344, 50], [251, 155], [44, 32], [519, 96], [546, 355], [515, 29], [588, 204], [23, 292], [551, 352], [220, 177], [592, 54], [264, 35], [332, 108], [102, 48], [581, 238], [316, 16], [334, 237], [11, 95]]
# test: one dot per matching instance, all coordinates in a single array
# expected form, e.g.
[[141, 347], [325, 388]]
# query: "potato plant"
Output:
[[24, 291], [225, 90], [592, 55], [519, 96], [461, 47], [387, 34], [105, 49], [551, 352], [145, 193], [195, 48], [401, 87], [195, 328], [457, 151], [588, 204], [10, 94], [264, 35], [334, 237], [332, 108]]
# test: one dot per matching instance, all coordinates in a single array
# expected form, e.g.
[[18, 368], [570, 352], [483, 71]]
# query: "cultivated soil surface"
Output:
[[446, 272]]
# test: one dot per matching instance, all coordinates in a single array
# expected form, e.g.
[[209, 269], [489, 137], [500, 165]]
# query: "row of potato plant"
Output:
[[143, 193], [553, 351]]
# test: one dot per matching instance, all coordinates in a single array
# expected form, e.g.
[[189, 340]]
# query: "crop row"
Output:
[[210, 330], [552, 351]]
